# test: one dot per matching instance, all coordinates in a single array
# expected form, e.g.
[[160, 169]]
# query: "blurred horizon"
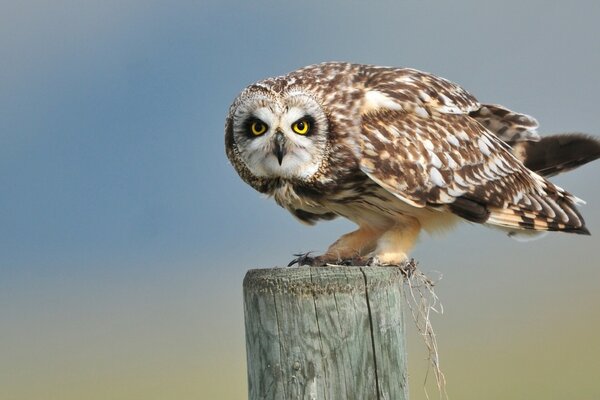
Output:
[[126, 233]]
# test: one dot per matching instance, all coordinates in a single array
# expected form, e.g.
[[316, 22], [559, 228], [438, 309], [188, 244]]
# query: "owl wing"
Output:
[[510, 126], [431, 153]]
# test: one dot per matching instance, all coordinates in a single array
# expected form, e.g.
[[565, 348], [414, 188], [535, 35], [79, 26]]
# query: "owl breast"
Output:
[[358, 199], [355, 197]]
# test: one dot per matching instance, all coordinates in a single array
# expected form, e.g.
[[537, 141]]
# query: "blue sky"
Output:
[[119, 208]]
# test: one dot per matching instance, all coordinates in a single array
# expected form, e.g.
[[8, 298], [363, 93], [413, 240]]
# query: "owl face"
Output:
[[279, 134]]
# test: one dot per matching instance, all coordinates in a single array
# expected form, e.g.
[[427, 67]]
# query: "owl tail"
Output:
[[546, 213], [552, 155]]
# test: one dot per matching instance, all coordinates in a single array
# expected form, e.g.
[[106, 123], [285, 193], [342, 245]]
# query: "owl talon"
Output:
[[304, 259]]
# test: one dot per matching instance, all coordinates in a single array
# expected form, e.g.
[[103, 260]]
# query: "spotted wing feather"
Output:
[[417, 91], [510, 126], [452, 162]]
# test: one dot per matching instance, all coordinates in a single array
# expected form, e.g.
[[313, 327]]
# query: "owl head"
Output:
[[278, 133]]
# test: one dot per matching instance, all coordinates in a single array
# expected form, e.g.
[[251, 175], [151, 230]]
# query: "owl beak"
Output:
[[278, 148]]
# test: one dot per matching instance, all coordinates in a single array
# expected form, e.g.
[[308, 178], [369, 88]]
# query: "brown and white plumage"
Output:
[[396, 150]]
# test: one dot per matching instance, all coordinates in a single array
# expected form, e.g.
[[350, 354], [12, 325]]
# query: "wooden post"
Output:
[[325, 333]]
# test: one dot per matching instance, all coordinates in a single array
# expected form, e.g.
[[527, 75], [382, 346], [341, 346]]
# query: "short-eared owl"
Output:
[[396, 150]]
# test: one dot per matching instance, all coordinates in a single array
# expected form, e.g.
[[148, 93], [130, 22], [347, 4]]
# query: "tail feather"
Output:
[[554, 213], [557, 153]]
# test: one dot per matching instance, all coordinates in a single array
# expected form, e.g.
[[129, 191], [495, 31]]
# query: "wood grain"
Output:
[[325, 333]]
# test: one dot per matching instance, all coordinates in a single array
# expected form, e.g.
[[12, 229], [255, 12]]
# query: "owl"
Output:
[[398, 151]]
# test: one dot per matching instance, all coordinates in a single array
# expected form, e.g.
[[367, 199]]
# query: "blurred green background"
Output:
[[125, 234]]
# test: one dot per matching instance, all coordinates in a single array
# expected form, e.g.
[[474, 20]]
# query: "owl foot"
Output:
[[407, 267], [324, 260]]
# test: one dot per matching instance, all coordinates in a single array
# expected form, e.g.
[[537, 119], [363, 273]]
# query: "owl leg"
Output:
[[393, 245], [353, 245]]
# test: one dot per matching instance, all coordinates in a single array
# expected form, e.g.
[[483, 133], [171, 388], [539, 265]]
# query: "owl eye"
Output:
[[258, 128], [301, 127]]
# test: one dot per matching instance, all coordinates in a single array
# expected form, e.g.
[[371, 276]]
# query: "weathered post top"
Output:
[[325, 333]]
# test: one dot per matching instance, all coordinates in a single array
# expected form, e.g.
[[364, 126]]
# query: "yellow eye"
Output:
[[301, 127], [258, 128]]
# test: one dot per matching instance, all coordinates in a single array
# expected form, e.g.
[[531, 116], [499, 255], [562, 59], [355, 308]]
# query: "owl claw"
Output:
[[304, 259]]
